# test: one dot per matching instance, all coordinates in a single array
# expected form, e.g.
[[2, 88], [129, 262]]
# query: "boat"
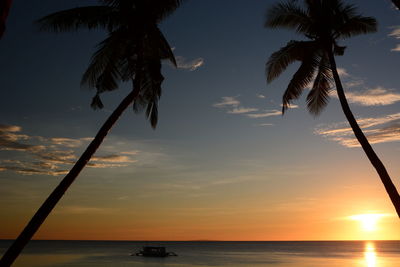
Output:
[[154, 252]]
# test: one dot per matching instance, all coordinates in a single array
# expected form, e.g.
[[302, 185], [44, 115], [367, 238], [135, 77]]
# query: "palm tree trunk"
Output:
[[42, 213], [373, 158]]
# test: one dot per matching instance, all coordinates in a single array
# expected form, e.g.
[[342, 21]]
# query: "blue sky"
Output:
[[220, 142]]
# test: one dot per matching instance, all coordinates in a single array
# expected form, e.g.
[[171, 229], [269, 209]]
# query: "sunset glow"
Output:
[[368, 222], [370, 255]]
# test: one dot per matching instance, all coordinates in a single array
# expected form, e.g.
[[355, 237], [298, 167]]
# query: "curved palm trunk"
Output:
[[373, 158], [42, 213]]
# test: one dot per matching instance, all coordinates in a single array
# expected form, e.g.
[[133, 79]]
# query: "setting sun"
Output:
[[368, 221]]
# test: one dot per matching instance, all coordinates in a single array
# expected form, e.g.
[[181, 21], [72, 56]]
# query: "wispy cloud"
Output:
[[232, 105], [396, 49], [190, 65], [378, 130], [291, 106], [68, 142], [10, 139], [133, 152], [265, 114], [343, 72], [378, 96], [227, 101], [261, 96], [9, 128], [32, 171], [353, 83], [49, 156], [395, 33], [242, 110]]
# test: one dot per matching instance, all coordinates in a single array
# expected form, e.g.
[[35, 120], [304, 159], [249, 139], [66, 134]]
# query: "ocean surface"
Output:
[[204, 254]]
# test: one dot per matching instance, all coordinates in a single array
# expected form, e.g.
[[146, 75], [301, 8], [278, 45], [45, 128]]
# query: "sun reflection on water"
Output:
[[370, 255]]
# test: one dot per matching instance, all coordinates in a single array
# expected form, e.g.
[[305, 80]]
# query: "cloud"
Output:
[[265, 114], [9, 128], [291, 106], [190, 65], [113, 158], [10, 139], [32, 171], [264, 124], [378, 96], [57, 156], [68, 142], [396, 49], [343, 72], [105, 165], [242, 110], [261, 96], [232, 104], [395, 33], [49, 156], [133, 152], [378, 130], [227, 101], [353, 83]]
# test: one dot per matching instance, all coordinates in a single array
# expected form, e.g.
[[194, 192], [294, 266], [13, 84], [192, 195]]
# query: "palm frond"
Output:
[[104, 63], [96, 102], [164, 8], [156, 46], [281, 59], [156, 9], [300, 80], [288, 15], [152, 90], [318, 97], [152, 113], [355, 26], [90, 17], [165, 50]]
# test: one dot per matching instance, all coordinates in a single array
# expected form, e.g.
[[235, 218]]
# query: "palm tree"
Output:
[[132, 52], [323, 23]]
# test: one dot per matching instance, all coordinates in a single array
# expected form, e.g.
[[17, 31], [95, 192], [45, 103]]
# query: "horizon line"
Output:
[[206, 240]]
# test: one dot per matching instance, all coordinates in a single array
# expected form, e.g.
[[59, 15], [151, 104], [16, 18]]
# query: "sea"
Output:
[[215, 253]]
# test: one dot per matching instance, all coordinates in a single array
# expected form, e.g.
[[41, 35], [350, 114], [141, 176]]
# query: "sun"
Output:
[[368, 221]]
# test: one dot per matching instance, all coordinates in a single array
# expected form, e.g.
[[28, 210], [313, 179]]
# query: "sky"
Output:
[[223, 163]]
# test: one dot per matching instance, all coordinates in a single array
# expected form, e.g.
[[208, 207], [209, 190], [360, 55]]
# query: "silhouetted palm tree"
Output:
[[132, 52], [323, 23]]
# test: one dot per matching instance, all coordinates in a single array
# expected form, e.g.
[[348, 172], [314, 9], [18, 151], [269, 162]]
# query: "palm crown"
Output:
[[132, 51], [323, 23]]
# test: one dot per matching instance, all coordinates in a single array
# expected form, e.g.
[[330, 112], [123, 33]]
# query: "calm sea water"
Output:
[[232, 254]]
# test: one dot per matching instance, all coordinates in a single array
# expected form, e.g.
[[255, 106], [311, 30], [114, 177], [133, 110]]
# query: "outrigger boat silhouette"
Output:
[[154, 252]]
